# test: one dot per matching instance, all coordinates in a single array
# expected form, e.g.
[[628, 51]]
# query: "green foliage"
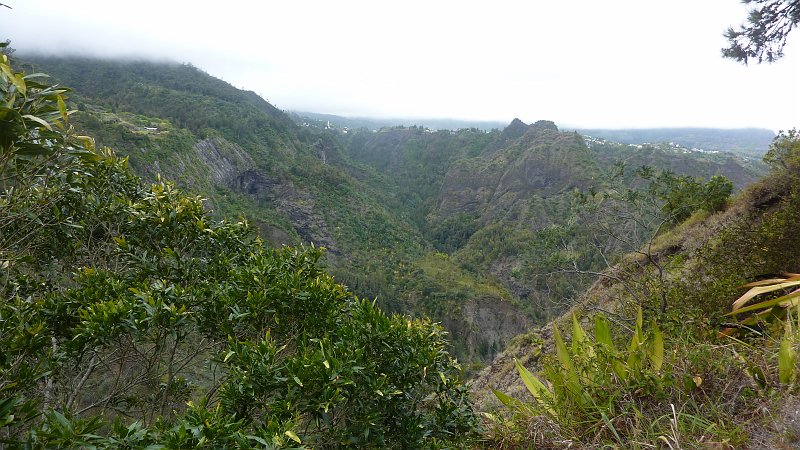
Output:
[[454, 232], [682, 195], [372, 199], [770, 314], [588, 382], [787, 355], [380, 202], [764, 36], [183, 94], [672, 383], [714, 388], [127, 301], [784, 151]]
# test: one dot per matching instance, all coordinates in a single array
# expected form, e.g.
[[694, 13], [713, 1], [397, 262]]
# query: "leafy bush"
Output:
[[784, 151], [127, 302]]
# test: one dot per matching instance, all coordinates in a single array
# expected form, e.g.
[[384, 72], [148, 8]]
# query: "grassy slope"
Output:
[[708, 259]]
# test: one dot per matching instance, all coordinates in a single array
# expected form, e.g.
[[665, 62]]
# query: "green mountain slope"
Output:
[[499, 203], [132, 318], [249, 159], [463, 226]]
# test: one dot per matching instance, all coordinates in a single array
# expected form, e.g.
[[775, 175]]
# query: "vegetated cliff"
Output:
[[732, 383], [500, 203], [514, 205], [542, 161]]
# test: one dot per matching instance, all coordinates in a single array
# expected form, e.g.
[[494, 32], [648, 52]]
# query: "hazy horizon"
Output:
[[502, 124]]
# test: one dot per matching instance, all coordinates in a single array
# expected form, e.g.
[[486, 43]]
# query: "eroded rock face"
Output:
[[224, 160], [515, 130], [228, 164], [492, 324], [298, 205]]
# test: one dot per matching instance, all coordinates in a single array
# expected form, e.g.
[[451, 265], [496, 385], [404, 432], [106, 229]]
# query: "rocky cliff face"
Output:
[[490, 324], [223, 160], [296, 203], [542, 162]]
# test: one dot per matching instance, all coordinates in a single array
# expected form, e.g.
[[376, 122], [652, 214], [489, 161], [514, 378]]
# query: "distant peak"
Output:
[[515, 129]]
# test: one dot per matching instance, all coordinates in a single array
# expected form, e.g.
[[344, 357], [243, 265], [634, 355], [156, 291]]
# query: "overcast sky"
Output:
[[613, 63]]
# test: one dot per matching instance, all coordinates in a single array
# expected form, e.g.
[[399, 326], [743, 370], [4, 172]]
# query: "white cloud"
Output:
[[584, 63]]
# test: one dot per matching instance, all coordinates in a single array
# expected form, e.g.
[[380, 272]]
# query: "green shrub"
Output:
[[128, 302], [588, 382]]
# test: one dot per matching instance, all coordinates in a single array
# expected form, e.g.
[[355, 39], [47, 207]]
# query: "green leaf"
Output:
[[32, 150], [36, 75], [505, 399], [19, 82], [38, 120], [62, 108], [258, 439], [63, 421], [571, 381], [611, 427], [634, 368], [6, 111], [657, 349], [580, 342], [293, 436], [787, 358], [602, 332], [561, 349], [539, 391], [639, 322], [12, 77]]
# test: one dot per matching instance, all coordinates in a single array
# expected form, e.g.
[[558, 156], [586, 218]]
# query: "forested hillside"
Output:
[[247, 159], [468, 227], [513, 203], [131, 318]]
